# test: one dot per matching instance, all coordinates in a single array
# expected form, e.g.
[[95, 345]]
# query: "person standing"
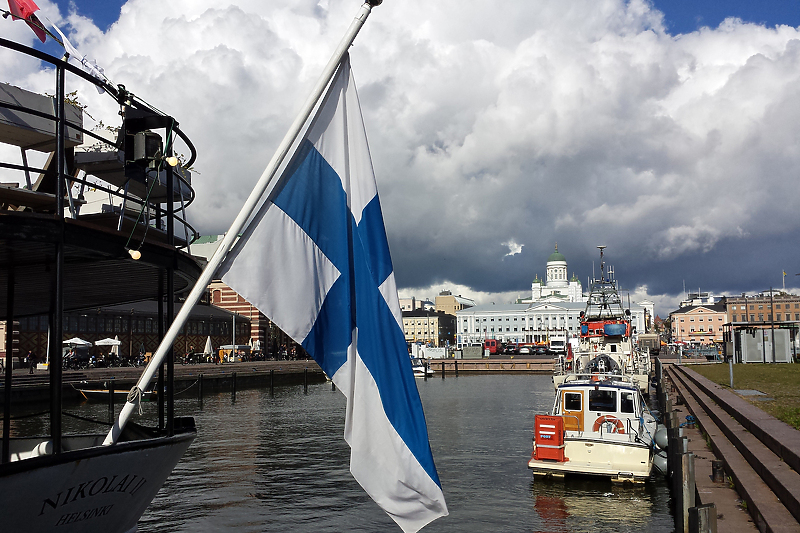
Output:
[[31, 363]]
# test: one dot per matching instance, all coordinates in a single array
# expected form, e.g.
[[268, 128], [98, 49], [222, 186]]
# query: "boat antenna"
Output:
[[602, 264]]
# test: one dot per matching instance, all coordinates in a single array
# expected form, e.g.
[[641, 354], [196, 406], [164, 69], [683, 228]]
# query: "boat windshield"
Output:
[[572, 401], [603, 400]]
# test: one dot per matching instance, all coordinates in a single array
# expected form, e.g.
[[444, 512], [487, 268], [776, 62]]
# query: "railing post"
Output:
[[687, 500], [111, 415]]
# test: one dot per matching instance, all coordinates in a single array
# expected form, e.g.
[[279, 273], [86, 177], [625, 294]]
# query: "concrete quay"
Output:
[[223, 377], [760, 455], [507, 365]]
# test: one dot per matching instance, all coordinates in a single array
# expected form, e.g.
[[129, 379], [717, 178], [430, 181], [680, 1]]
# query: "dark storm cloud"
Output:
[[501, 130]]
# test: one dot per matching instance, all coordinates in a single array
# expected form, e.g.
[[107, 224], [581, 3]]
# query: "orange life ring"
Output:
[[619, 426]]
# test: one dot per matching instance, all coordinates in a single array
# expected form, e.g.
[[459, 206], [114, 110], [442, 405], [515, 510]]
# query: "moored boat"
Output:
[[57, 255], [606, 344], [599, 426], [421, 368]]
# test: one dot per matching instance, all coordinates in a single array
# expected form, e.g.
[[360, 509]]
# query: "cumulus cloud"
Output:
[[497, 131]]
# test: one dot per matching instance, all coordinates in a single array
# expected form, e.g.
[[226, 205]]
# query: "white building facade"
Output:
[[526, 323]]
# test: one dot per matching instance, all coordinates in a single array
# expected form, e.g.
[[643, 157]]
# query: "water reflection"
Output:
[[281, 464], [588, 504]]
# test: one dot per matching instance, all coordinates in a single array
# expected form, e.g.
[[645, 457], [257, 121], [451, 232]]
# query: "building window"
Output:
[[752, 318]]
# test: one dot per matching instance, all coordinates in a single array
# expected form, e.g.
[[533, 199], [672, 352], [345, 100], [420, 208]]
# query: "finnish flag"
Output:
[[315, 260]]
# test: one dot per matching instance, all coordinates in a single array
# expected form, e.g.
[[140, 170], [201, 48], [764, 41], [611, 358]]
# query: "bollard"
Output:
[[200, 388], [730, 369], [442, 369], [717, 471], [272, 383], [305, 381], [703, 518], [425, 374], [333, 386], [455, 362], [111, 416], [233, 388]]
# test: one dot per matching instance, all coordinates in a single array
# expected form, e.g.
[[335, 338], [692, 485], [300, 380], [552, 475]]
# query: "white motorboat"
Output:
[[421, 368], [599, 426]]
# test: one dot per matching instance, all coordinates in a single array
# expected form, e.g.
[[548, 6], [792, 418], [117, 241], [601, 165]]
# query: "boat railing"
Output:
[[150, 192], [598, 378]]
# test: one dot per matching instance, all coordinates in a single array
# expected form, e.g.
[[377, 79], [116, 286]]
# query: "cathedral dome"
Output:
[[556, 256]]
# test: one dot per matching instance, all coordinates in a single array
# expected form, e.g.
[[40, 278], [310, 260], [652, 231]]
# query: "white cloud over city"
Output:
[[496, 130]]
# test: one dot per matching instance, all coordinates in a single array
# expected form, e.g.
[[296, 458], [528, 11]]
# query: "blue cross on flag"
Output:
[[315, 260]]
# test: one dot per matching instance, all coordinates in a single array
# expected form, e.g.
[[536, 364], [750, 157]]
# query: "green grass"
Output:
[[780, 382]]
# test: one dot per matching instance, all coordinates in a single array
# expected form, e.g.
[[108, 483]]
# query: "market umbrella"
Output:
[[75, 341], [107, 342]]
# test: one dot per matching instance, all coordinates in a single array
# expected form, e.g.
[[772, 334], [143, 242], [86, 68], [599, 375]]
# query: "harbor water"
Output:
[[280, 463]]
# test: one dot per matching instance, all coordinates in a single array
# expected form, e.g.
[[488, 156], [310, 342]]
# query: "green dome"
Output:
[[555, 256]]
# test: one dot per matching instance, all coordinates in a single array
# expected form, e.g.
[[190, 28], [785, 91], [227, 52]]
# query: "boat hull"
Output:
[[92, 488], [619, 461]]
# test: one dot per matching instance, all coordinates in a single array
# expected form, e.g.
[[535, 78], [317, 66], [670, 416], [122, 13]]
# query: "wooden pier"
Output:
[[745, 462]]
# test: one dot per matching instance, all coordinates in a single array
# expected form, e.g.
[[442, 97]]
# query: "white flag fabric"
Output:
[[88, 66], [315, 260]]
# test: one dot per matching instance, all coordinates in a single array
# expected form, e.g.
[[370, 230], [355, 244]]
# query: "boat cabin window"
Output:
[[626, 402], [603, 400], [613, 347], [572, 401]]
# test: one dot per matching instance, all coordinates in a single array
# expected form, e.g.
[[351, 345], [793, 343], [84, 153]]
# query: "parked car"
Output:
[[511, 348], [525, 350]]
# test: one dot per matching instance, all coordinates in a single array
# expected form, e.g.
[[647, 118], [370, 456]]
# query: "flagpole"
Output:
[[230, 237]]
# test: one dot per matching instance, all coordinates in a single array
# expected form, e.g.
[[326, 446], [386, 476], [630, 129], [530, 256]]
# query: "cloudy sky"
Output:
[[668, 131]]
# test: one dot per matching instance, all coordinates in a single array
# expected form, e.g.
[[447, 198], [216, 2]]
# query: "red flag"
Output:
[[25, 9]]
